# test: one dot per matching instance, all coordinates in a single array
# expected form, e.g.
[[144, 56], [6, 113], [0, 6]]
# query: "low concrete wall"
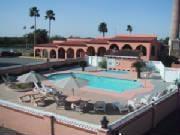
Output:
[[141, 121], [38, 66], [175, 65], [164, 107], [24, 122], [30, 121], [35, 122], [167, 74]]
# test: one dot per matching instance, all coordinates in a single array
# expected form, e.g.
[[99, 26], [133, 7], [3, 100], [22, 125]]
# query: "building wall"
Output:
[[121, 64], [106, 47]]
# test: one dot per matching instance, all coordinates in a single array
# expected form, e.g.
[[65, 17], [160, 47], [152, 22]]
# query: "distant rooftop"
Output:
[[100, 40]]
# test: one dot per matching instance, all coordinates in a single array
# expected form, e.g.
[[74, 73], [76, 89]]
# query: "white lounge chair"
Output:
[[44, 89], [121, 107], [145, 100], [132, 104]]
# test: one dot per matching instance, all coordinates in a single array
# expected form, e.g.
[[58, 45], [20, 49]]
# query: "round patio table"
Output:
[[73, 99]]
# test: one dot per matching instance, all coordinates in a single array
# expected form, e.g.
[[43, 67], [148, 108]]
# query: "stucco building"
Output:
[[147, 45]]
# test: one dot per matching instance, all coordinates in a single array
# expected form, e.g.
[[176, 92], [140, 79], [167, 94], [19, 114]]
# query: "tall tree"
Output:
[[103, 28], [34, 12], [41, 36], [129, 29], [50, 15]]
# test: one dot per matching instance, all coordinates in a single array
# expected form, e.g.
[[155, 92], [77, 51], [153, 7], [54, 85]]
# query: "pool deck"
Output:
[[93, 95]]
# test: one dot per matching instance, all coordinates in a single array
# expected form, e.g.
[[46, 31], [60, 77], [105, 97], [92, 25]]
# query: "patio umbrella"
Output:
[[72, 83], [31, 77]]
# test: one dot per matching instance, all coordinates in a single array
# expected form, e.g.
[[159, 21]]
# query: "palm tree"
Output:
[[129, 29], [50, 15], [139, 65], [34, 12], [103, 28], [25, 36]]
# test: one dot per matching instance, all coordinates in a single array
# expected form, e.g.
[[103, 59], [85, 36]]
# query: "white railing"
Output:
[[125, 119], [62, 119]]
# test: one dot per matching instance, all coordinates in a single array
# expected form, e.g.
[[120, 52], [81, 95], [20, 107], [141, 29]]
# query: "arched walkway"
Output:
[[38, 52], [90, 51], [142, 49], [61, 53], [126, 47], [53, 54], [45, 53], [80, 53], [114, 47], [70, 53], [101, 51]]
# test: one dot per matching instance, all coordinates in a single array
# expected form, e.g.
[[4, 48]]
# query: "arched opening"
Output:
[[153, 51], [91, 51], [53, 54], [142, 49], [101, 51], [45, 53], [126, 47], [61, 53], [38, 52], [70, 53], [80, 53], [114, 47]]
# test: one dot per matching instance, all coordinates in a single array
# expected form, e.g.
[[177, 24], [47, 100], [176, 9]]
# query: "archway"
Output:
[[126, 47], [61, 53], [53, 54], [142, 49], [45, 53], [80, 53], [70, 53], [101, 51], [114, 47], [90, 51], [38, 52]]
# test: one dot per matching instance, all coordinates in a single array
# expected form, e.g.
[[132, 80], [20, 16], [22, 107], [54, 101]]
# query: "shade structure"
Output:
[[31, 77], [72, 83]]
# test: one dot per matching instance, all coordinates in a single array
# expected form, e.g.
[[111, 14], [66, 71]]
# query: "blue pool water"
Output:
[[99, 82]]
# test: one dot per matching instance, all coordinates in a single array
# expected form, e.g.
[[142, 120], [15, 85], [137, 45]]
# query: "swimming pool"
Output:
[[99, 82]]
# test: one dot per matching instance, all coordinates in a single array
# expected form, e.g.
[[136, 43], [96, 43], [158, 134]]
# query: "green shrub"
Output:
[[21, 85], [103, 64]]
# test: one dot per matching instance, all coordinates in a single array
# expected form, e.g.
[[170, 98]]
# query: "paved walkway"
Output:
[[18, 61]]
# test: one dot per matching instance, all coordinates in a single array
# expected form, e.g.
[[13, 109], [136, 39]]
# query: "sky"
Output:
[[82, 17]]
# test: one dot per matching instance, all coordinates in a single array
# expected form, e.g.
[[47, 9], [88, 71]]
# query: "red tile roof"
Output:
[[134, 38], [73, 43], [47, 45], [99, 41]]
